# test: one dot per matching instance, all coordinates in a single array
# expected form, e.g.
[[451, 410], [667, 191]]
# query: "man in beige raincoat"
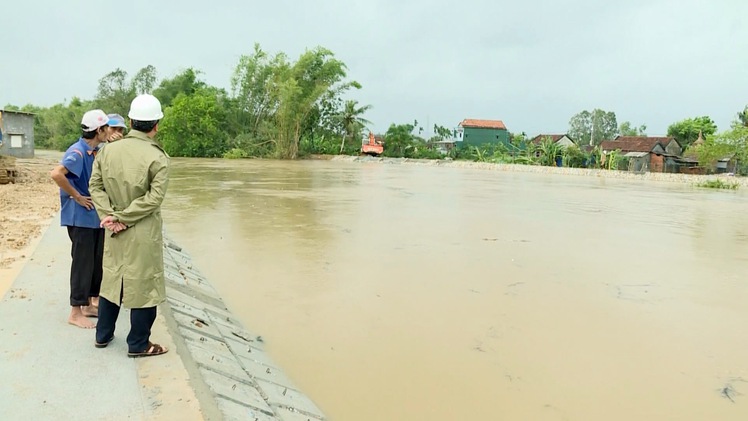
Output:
[[127, 185]]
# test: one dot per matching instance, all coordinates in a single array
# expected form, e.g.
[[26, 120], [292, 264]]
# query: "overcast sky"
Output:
[[532, 64]]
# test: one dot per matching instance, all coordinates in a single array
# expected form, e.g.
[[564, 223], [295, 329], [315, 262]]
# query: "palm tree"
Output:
[[350, 120]]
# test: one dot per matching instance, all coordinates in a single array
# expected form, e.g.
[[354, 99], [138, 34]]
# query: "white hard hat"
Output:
[[94, 119], [145, 107]]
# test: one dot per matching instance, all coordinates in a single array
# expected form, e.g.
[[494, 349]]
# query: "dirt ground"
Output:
[[26, 209]]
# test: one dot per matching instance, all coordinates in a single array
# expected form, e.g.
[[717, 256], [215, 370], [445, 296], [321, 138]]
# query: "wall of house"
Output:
[[18, 135], [673, 148], [475, 136], [640, 164], [565, 141], [656, 163]]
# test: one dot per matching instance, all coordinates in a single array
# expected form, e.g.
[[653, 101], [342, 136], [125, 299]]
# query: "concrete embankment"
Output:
[[215, 369], [624, 175], [232, 371]]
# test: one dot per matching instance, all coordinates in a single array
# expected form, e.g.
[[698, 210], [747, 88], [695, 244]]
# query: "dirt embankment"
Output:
[[26, 207]]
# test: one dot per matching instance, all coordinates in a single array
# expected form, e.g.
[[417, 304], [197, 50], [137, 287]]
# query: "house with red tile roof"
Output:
[[475, 132]]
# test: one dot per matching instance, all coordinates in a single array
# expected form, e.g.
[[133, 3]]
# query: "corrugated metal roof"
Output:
[[636, 154], [15, 112]]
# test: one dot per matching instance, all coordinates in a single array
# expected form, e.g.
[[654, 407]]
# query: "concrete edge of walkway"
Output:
[[232, 375]]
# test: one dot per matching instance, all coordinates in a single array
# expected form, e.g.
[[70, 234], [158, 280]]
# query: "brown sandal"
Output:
[[151, 351], [105, 344]]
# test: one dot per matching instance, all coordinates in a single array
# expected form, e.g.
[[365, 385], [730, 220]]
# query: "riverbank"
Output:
[[26, 210], [215, 368], [537, 169]]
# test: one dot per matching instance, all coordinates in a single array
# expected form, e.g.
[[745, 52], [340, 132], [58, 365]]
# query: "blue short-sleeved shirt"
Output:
[[78, 160]]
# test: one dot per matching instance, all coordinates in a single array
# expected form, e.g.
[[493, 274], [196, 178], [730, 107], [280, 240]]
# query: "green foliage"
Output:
[[597, 125], [115, 93], [518, 139], [743, 117], [442, 133], [718, 183], [186, 83], [351, 122], [325, 145], [574, 157], [254, 146], [687, 131], [192, 126], [252, 88], [400, 141], [611, 160], [627, 129], [144, 81], [235, 153], [549, 152]]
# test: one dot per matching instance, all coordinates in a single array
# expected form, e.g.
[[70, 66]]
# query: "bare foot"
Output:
[[90, 311], [77, 318], [94, 302]]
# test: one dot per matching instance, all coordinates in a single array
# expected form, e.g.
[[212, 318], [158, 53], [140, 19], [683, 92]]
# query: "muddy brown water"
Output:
[[400, 292]]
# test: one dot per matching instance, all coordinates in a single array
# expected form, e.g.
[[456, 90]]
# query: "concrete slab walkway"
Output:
[[51, 370]]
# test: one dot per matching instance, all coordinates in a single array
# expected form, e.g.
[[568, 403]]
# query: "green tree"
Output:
[[352, 122], [627, 129], [687, 131], [115, 93], [144, 81], [62, 122], [186, 82], [252, 87], [550, 152], [743, 117], [400, 140], [297, 87], [592, 127], [442, 133], [194, 125]]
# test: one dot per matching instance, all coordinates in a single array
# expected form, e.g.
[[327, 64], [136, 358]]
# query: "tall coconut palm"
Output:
[[351, 122]]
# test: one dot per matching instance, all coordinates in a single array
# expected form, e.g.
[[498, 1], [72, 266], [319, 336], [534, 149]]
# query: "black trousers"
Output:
[[141, 322], [86, 271]]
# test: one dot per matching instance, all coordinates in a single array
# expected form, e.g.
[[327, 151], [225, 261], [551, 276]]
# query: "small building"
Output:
[[442, 146], [17, 134], [472, 132], [655, 154], [560, 139], [691, 165]]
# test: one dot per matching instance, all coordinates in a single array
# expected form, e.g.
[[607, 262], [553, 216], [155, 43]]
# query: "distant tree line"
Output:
[[282, 108], [277, 107]]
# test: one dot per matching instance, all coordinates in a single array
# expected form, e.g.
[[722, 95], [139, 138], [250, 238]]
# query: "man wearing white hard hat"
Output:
[[128, 184], [82, 222]]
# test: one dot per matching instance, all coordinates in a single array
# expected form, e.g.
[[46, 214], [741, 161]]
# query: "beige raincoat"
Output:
[[129, 181]]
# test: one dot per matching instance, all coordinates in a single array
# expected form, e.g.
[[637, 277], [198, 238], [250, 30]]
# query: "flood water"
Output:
[[402, 292]]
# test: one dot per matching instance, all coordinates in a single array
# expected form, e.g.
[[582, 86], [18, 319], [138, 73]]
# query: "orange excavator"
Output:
[[374, 147]]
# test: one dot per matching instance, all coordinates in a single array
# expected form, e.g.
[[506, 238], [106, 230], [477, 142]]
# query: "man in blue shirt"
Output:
[[80, 218]]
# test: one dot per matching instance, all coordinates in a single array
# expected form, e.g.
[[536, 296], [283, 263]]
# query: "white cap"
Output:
[[94, 119], [145, 107]]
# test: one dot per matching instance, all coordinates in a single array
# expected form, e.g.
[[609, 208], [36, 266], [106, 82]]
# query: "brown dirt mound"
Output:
[[26, 205]]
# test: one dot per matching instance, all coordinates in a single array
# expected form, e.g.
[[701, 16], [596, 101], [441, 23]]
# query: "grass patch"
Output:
[[718, 183]]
